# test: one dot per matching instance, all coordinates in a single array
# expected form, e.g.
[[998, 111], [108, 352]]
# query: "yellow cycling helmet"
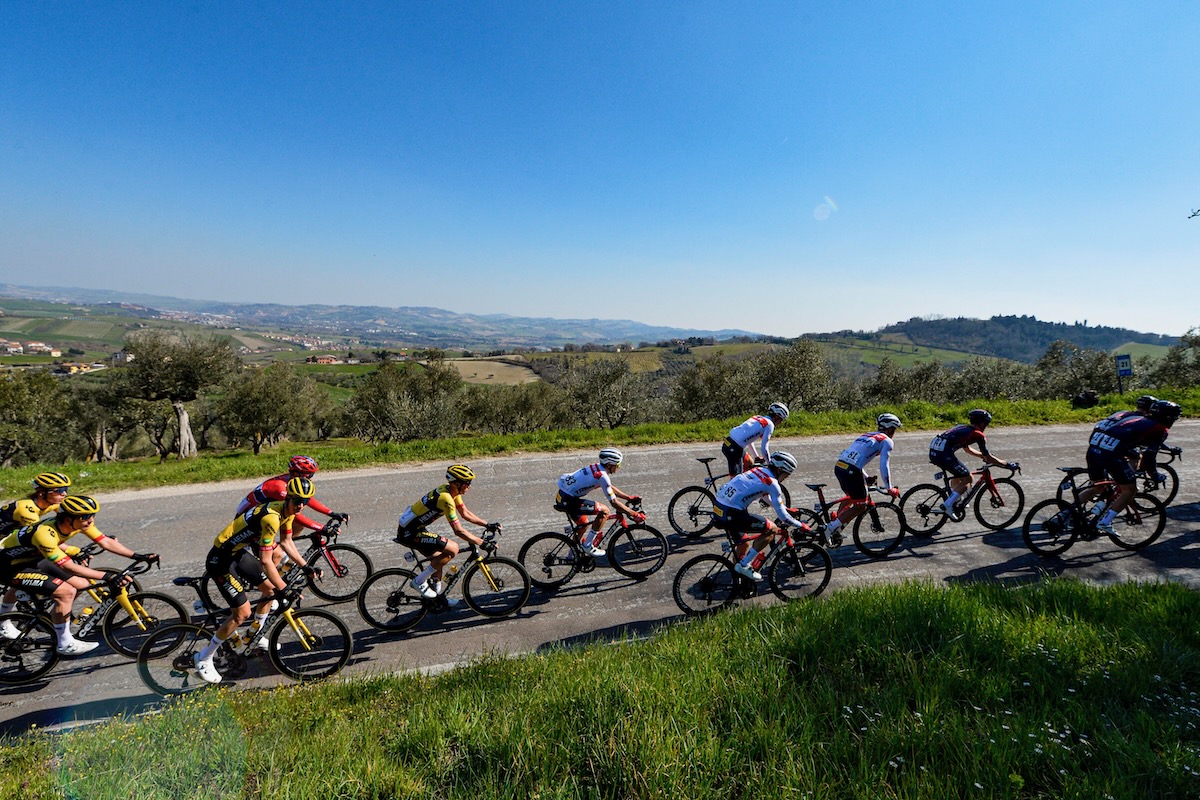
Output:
[[300, 489], [51, 480], [78, 505], [459, 472]]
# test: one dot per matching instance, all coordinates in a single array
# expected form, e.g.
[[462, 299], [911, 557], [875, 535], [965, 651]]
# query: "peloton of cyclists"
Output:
[[754, 533], [961, 437], [745, 435], [572, 486], [850, 476]]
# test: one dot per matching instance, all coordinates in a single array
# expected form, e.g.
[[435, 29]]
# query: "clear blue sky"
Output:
[[784, 167]]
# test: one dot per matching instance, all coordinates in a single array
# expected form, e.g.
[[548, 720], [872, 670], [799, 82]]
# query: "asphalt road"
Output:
[[180, 523]]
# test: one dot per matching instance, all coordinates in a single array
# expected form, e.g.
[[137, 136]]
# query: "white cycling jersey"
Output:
[[754, 428], [744, 489], [584, 479], [866, 447]]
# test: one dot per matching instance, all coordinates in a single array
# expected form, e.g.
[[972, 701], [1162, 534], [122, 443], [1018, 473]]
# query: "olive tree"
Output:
[[261, 406]]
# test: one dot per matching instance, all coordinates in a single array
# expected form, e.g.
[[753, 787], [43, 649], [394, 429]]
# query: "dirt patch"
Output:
[[482, 370]]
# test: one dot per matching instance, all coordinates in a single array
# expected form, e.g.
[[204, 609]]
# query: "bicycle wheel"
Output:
[[1140, 523], [496, 587], [879, 531], [388, 601], [345, 568], [802, 570], [1050, 527], [550, 559], [924, 512], [637, 551], [1166, 490], [32, 654], [211, 596], [166, 663], [126, 634], [997, 511], [313, 643], [705, 584], [690, 511]]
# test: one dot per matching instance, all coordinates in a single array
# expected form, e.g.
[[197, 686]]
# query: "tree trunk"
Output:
[[186, 441]]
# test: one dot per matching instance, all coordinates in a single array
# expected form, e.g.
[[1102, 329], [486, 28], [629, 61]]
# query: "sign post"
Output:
[[1124, 370]]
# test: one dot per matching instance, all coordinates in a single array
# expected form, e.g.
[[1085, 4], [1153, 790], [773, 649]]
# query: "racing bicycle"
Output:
[[998, 502], [690, 510], [1165, 490], [1054, 525], [877, 532]]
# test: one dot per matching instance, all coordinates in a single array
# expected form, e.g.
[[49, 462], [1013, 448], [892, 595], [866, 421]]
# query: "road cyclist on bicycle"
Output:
[[275, 489], [1109, 449], [854, 482], [961, 437], [735, 497], [572, 486], [37, 560], [241, 556], [444, 500], [743, 437], [49, 488]]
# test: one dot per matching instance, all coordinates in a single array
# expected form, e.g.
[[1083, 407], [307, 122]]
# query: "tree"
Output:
[[398, 403], [35, 420], [1067, 369], [174, 368], [261, 406]]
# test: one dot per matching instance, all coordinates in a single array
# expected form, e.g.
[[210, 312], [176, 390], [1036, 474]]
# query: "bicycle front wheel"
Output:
[[1050, 527], [551, 559], [496, 586], [126, 634], [802, 570], [388, 601], [166, 663], [924, 510], [637, 551], [1166, 490], [1140, 524], [32, 654], [997, 510], [345, 567], [690, 511], [705, 584], [879, 531], [313, 643]]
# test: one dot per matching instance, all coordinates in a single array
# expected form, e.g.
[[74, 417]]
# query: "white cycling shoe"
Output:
[[206, 669], [426, 590], [75, 647], [747, 571], [593, 551], [8, 630]]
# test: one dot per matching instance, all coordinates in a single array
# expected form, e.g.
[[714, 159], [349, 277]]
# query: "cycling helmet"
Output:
[[459, 472], [1145, 401], [979, 417], [779, 410], [885, 421], [51, 480], [1165, 411], [78, 505], [783, 462], [611, 457], [300, 489], [302, 465]]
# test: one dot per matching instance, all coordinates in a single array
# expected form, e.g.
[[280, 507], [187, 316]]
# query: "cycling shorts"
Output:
[[735, 521], [1101, 464], [949, 463], [234, 574], [421, 540], [41, 578], [733, 456], [851, 479], [577, 507]]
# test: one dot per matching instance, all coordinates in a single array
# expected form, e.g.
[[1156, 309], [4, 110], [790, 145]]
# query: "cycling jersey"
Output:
[[746, 487], [584, 479], [276, 489], [20, 513], [1119, 438], [754, 428], [436, 503], [1113, 418], [866, 447], [955, 439], [259, 528], [32, 543]]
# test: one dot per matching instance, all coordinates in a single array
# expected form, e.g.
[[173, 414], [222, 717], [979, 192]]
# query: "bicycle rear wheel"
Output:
[[550, 559], [166, 663], [705, 584], [802, 570], [1051, 527], [880, 530], [496, 587], [388, 601], [345, 567], [126, 634], [313, 644], [690, 511], [1166, 490], [997, 511], [637, 551], [32, 654], [1140, 524], [924, 512]]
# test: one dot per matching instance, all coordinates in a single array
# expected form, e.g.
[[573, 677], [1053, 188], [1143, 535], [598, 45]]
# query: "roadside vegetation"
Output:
[[1053, 689]]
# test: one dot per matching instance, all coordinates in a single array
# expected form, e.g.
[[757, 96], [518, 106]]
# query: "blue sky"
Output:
[[779, 167]]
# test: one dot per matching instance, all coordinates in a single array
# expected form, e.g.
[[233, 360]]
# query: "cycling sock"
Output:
[[209, 649], [951, 500], [63, 629], [7, 607], [746, 559], [425, 575], [833, 526], [1108, 517], [260, 619]]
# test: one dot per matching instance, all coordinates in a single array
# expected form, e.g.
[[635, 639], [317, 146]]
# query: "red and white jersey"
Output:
[[744, 489], [584, 479], [866, 447], [751, 429], [273, 489]]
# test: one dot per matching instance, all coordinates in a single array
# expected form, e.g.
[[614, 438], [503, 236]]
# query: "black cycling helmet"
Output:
[[1165, 411], [979, 417], [1145, 401]]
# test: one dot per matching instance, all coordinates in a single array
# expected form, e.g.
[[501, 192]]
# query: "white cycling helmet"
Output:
[[783, 462], [885, 421], [779, 410], [611, 456]]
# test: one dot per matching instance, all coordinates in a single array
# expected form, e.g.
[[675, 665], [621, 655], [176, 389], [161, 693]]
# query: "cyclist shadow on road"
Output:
[[455, 620], [83, 712], [624, 632]]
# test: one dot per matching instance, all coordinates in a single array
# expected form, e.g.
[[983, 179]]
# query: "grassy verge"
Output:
[[1047, 690], [348, 454]]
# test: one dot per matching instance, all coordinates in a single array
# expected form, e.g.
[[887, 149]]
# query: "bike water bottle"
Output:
[[758, 561], [234, 640], [198, 607], [452, 569]]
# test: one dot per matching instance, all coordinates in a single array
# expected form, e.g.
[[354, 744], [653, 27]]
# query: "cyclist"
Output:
[[735, 497], [961, 437], [37, 559], [49, 488], [241, 556], [744, 435], [1109, 449], [850, 476], [1142, 408], [572, 486], [273, 489], [444, 500]]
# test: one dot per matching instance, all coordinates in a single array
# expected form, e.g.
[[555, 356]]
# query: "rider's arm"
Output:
[[319, 507], [305, 522], [885, 465], [461, 532], [780, 510], [288, 543], [766, 439], [108, 543]]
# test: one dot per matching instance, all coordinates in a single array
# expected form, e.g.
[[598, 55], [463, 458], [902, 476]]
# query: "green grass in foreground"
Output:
[[350, 454], [1055, 690]]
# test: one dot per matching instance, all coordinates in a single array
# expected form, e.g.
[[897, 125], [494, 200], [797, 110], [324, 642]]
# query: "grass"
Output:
[[1055, 689], [350, 454]]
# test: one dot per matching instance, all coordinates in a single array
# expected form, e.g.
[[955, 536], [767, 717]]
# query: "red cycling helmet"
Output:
[[302, 465]]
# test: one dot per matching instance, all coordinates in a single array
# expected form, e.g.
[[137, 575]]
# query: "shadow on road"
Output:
[[65, 715]]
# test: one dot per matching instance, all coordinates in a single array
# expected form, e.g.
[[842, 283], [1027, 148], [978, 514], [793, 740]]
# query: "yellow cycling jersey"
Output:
[[20, 513], [33, 542], [436, 503], [260, 527]]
